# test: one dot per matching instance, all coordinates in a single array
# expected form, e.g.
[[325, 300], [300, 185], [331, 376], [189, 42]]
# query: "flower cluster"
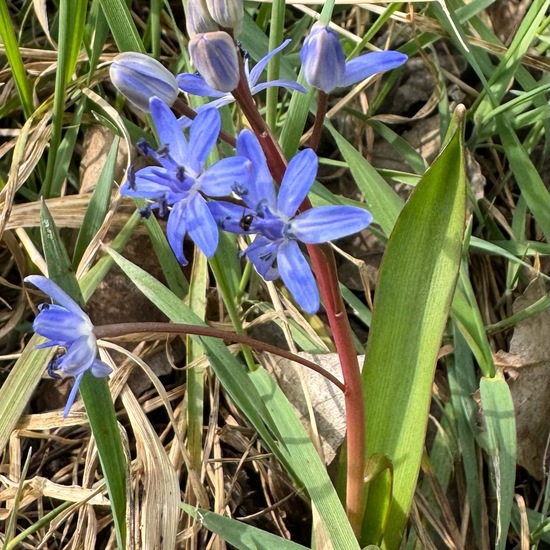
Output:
[[67, 326], [180, 186]]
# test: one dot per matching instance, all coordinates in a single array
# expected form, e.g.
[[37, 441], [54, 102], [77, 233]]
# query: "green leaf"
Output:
[[382, 201], [413, 298], [72, 17], [122, 25], [95, 392], [9, 40], [98, 206], [265, 406], [498, 410], [240, 535]]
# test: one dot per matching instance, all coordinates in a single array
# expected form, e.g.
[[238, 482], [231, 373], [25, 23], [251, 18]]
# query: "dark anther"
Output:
[[131, 177], [244, 53], [53, 366], [163, 208], [43, 307], [163, 151], [144, 148], [145, 212], [180, 173], [238, 189]]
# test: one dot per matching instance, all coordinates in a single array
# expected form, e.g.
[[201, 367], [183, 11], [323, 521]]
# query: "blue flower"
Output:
[[196, 85], [66, 325], [325, 66], [278, 227], [181, 178]]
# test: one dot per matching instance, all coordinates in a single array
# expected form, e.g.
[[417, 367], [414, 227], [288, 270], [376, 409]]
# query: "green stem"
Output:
[[231, 305], [123, 329]]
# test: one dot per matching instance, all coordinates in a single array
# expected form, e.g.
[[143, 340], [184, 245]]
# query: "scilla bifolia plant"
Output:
[[180, 186]]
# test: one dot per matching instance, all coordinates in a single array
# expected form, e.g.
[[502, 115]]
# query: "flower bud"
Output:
[[323, 59], [139, 77], [227, 13], [215, 57], [198, 18]]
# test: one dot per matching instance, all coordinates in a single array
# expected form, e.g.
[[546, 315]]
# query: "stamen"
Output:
[[131, 177], [180, 173], [163, 151]]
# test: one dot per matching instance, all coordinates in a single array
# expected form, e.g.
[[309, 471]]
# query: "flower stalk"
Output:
[[324, 267], [124, 329]]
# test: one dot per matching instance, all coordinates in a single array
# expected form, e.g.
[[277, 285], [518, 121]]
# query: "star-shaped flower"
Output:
[[196, 85], [278, 227], [325, 66], [181, 178], [66, 325]]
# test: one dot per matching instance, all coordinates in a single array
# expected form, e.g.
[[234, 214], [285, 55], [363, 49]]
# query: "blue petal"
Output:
[[326, 223], [263, 255], [80, 355], [201, 226], [60, 296], [169, 131], [297, 181], [280, 83], [221, 178], [257, 71], [72, 395], [297, 276], [228, 216], [220, 102], [100, 369], [260, 186], [323, 59], [154, 182], [196, 85], [61, 325], [176, 229], [371, 63], [203, 136]]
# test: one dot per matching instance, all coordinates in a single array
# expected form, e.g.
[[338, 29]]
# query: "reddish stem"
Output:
[[123, 329], [324, 267], [322, 103]]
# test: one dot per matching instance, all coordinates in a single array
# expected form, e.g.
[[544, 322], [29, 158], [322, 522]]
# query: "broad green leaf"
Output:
[[95, 392], [499, 414], [413, 298], [238, 534]]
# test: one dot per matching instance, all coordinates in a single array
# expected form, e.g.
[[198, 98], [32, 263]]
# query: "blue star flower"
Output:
[[66, 325], [196, 85], [181, 179], [278, 227], [325, 66]]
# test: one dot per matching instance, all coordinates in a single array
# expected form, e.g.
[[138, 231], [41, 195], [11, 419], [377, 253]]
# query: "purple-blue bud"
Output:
[[228, 14], [215, 56], [323, 59], [198, 18], [139, 77]]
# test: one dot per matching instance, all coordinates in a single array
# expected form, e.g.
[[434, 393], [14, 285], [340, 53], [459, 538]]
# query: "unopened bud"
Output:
[[215, 56], [198, 18], [139, 77], [227, 13], [323, 59]]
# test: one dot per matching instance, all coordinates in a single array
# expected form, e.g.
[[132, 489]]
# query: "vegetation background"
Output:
[[193, 428]]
